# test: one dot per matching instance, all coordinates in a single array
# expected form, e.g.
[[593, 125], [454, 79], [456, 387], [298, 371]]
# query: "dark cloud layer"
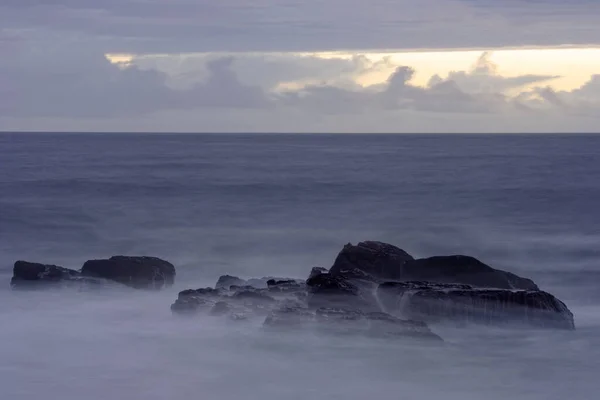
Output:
[[294, 25]]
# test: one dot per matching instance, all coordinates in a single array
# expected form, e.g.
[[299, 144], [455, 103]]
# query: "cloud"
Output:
[[56, 86], [80, 85], [155, 26]]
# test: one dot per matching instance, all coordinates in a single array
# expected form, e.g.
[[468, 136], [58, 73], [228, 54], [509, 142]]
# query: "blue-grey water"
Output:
[[256, 205]]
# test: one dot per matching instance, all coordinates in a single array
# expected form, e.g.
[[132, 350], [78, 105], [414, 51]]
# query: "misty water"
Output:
[[258, 205]]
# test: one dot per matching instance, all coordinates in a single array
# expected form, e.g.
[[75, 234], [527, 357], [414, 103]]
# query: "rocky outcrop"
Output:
[[381, 262], [459, 303], [137, 272]]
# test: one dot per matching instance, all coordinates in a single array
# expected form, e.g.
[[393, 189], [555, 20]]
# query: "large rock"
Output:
[[463, 269], [190, 301], [137, 272], [461, 303], [380, 262], [371, 260], [28, 273]]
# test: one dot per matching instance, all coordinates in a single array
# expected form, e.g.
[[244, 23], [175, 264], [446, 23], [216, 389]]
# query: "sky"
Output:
[[300, 65]]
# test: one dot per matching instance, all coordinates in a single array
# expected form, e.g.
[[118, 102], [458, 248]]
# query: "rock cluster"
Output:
[[372, 288], [379, 289]]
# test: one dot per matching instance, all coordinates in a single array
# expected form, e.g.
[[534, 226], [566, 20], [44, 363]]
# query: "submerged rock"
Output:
[[433, 302], [373, 324], [137, 272]]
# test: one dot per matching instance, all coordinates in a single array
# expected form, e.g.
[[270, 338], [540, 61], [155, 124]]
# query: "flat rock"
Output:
[[139, 272]]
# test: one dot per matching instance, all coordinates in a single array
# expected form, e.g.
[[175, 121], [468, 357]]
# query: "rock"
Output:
[[28, 274], [136, 272], [458, 303], [253, 296], [380, 262], [463, 269], [371, 261], [289, 317], [221, 308], [285, 286], [190, 300], [334, 291], [226, 281], [24, 271], [317, 271], [374, 324]]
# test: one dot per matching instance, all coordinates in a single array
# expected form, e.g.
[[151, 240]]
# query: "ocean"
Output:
[[259, 205]]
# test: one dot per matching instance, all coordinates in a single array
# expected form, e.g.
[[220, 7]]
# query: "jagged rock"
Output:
[[371, 260], [285, 286], [335, 291], [432, 302], [190, 300], [27, 274], [137, 272], [463, 269], [317, 271], [226, 281]]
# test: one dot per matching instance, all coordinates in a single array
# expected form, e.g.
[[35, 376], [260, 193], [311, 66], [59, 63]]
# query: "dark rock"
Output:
[[370, 260], [28, 274], [463, 269], [137, 272], [317, 271], [379, 262], [24, 271], [432, 302], [253, 296], [285, 286], [191, 301], [327, 290], [226, 281]]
